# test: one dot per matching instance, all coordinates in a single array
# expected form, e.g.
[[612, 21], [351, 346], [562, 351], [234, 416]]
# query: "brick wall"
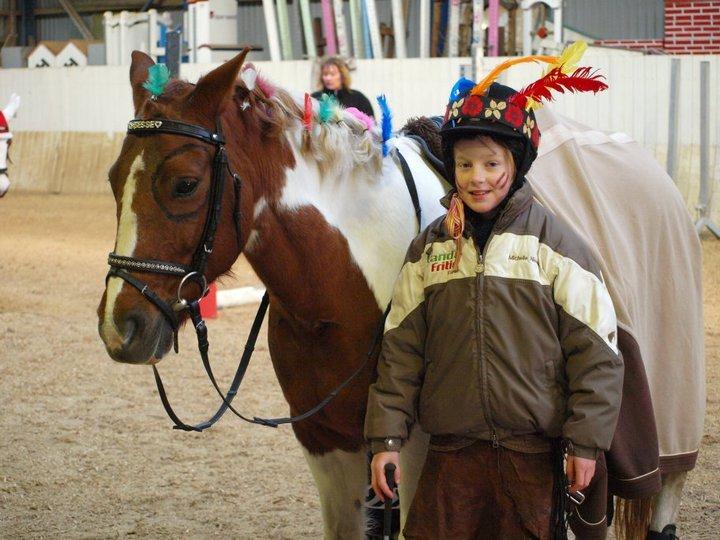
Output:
[[636, 44], [692, 26]]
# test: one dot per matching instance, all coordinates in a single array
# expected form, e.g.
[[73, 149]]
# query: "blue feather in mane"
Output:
[[158, 77], [386, 123]]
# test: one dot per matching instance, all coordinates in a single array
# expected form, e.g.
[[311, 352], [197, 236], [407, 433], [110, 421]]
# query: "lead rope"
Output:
[[558, 517]]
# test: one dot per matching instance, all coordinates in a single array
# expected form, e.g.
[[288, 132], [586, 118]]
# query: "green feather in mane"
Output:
[[328, 108], [158, 77]]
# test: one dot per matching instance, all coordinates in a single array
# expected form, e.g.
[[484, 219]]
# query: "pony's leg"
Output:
[[341, 478], [667, 503], [412, 459]]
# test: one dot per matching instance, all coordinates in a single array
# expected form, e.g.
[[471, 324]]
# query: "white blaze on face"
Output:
[[124, 245]]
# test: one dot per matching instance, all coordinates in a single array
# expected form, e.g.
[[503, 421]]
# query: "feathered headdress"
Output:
[[562, 74]]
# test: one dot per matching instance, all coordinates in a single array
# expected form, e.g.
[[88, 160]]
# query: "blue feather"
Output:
[[461, 87], [158, 77], [386, 123]]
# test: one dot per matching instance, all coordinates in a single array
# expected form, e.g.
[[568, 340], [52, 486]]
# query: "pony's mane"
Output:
[[338, 146]]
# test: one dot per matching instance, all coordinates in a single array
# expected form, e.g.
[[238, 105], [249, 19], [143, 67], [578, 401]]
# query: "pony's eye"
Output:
[[184, 187]]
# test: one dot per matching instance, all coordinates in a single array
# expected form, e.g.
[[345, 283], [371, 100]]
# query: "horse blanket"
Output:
[[614, 194]]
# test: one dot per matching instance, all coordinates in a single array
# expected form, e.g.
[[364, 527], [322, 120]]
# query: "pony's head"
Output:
[[178, 207]]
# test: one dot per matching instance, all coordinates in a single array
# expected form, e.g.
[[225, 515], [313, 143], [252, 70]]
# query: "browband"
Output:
[[151, 127]]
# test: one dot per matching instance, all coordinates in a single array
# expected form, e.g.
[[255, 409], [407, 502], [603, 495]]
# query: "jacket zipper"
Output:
[[480, 304]]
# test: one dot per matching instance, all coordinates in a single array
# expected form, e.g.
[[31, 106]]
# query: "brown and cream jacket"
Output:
[[520, 340]]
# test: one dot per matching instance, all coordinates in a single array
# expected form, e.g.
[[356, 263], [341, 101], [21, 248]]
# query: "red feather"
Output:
[[307, 117], [581, 80]]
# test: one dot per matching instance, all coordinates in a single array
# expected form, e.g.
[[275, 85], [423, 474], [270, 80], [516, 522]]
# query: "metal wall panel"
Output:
[[616, 19]]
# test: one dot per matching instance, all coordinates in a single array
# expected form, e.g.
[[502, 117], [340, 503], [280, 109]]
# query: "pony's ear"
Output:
[[214, 87], [141, 62]]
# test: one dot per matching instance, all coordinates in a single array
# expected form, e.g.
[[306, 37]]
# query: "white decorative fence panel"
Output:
[[97, 99]]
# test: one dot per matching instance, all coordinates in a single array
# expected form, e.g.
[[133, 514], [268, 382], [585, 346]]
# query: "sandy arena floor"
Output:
[[86, 450]]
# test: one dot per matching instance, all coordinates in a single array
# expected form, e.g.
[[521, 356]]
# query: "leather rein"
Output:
[[121, 266]]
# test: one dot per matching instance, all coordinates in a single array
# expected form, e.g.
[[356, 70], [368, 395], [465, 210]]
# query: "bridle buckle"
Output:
[[198, 278]]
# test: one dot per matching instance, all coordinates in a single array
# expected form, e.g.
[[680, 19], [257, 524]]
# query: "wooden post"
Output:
[[307, 25], [398, 19], [340, 29], [272, 33], [356, 28], [425, 28], [493, 15], [284, 27], [328, 28]]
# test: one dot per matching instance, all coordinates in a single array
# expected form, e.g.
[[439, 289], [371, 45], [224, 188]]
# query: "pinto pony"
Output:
[[6, 140], [325, 221]]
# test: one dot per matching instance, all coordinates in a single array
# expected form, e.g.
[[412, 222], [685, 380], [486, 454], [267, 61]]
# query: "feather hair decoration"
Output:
[[569, 58], [386, 123], [328, 106], [581, 80], [307, 115], [158, 77], [483, 85]]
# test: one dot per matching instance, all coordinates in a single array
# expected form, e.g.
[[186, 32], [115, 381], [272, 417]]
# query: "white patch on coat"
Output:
[[125, 243], [375, 215], [341, 478], [254, 237]]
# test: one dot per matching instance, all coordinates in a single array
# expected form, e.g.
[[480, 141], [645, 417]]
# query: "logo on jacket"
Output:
[[531, 258], [441, 261]]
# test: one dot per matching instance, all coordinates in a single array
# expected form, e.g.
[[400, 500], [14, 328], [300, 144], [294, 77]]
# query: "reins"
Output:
[[120, 266]]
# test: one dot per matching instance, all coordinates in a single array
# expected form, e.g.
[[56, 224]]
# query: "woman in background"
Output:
[[334, 80]]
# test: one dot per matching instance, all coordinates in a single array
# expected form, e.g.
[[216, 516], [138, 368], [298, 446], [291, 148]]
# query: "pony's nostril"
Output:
[[129, 329]]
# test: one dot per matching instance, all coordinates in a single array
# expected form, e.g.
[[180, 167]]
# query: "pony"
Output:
[[324, 220], [6, 140]]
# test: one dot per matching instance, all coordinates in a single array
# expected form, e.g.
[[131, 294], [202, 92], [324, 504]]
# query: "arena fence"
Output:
[[72, 120]]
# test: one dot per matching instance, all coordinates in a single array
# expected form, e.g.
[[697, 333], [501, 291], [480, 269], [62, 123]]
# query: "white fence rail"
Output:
[[98, 98]]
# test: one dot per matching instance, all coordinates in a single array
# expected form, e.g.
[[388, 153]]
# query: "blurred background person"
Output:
[[335, 80]]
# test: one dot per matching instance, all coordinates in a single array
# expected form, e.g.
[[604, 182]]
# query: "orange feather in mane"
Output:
[[581, 80]]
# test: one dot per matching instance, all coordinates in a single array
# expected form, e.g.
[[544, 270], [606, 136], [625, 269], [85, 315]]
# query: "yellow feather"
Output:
[[483, 85], [569, 59]]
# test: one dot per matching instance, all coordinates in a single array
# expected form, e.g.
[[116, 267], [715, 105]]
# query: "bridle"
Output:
[[121, 265]]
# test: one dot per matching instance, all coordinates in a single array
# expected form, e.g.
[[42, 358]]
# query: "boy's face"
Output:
[[484, 172]]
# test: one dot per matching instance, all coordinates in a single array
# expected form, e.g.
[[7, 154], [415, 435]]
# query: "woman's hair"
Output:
[[342, 67]]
